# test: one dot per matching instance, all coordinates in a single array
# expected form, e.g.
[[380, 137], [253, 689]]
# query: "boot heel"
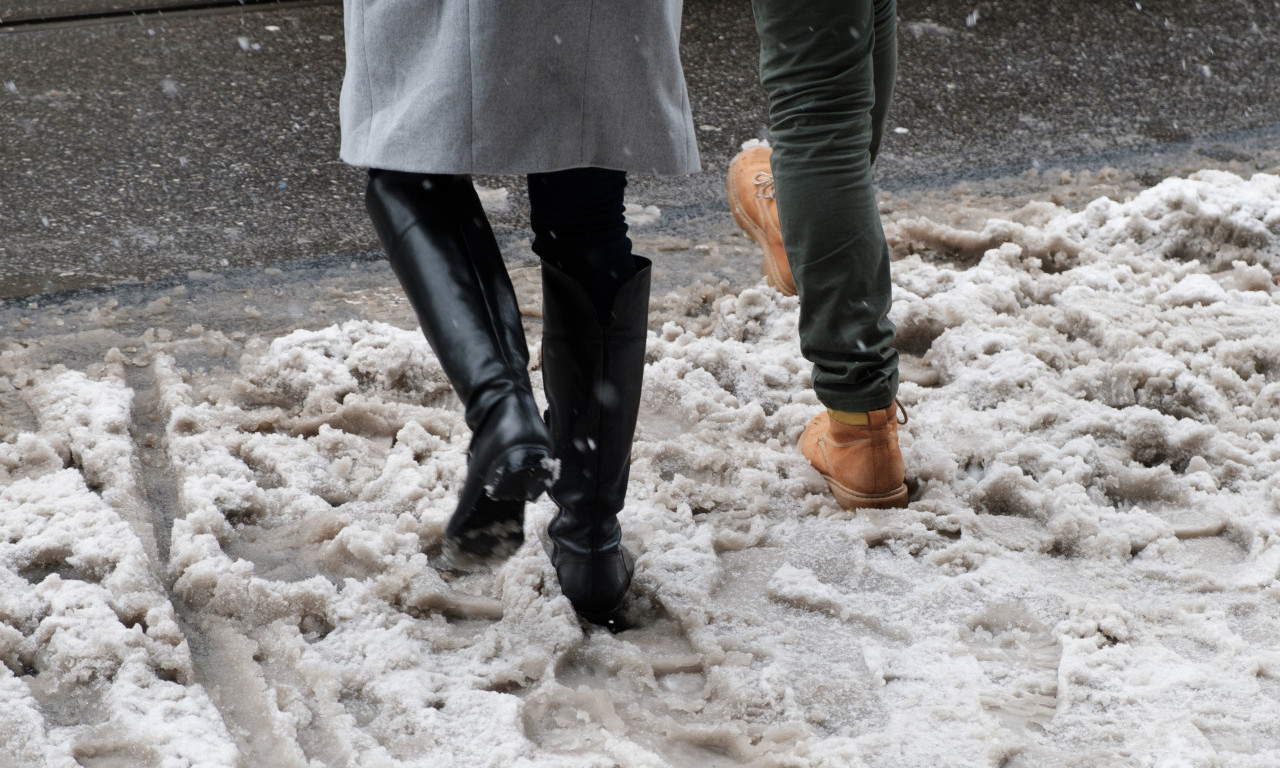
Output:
[[522, 473]]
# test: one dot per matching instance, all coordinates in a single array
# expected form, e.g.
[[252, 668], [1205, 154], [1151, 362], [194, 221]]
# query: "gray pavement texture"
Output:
[[148, 149], [34, 11]]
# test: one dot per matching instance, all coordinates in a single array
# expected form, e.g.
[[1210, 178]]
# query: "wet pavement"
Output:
[[166, 145], [37, 12]]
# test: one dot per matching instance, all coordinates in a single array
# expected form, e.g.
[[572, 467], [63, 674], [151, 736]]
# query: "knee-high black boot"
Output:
[[593, 370], [442, 250]]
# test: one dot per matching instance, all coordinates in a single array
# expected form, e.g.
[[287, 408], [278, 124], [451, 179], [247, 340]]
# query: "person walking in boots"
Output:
[[828, 67], [574, 94]]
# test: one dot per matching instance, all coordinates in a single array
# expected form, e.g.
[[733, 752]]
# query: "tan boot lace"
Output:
[[764, 185]]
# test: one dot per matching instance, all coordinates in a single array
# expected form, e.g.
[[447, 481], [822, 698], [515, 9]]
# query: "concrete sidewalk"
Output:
[[172, 143]]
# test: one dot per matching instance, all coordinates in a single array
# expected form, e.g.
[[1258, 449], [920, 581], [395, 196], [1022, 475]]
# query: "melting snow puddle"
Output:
[[1087, 573]]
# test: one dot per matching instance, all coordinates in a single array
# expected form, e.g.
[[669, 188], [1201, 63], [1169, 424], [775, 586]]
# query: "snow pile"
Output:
[[1087, 573], [1111, 370], [95, 664]]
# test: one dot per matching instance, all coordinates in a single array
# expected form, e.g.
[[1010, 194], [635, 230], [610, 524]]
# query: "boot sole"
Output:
[[488, 525], [757, 234], [614, 621], [487, 544], [851, 499]]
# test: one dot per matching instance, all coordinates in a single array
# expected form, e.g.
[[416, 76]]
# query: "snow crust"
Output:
[[1087, 573]]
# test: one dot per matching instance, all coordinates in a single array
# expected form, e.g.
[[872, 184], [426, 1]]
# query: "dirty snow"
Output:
[[1087, 574]]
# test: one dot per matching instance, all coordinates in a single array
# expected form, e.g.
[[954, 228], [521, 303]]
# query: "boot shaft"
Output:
[[438, 241], [593, 373], [443, 252]]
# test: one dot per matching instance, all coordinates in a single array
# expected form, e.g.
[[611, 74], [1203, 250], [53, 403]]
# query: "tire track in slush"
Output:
[[222, 657]]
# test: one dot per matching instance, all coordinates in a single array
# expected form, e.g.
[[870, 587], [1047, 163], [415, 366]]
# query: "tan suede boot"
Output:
[[754, 207], [862, 464]]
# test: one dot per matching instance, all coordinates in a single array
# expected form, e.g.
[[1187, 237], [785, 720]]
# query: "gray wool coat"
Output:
[[515, 86]]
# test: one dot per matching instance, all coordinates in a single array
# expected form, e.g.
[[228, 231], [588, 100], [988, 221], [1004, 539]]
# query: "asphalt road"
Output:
[[139, 148]]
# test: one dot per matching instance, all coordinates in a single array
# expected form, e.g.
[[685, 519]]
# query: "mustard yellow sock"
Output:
[[850, 418]]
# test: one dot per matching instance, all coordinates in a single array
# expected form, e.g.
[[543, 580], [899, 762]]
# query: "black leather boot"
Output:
[[593, 372], [441, 248]]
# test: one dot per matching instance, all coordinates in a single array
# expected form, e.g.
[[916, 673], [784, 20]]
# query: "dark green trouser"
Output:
[[829, 68]]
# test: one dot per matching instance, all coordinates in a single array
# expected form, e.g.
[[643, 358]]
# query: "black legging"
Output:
[[579, 227]]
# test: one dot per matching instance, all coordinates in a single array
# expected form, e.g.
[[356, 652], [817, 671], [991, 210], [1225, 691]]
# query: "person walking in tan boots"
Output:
[[829, 67]]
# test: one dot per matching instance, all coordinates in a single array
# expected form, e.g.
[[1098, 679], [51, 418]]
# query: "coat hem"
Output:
[[474, 169]]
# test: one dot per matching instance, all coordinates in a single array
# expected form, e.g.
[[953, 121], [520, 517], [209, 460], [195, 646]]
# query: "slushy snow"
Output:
[[1087, 573]]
